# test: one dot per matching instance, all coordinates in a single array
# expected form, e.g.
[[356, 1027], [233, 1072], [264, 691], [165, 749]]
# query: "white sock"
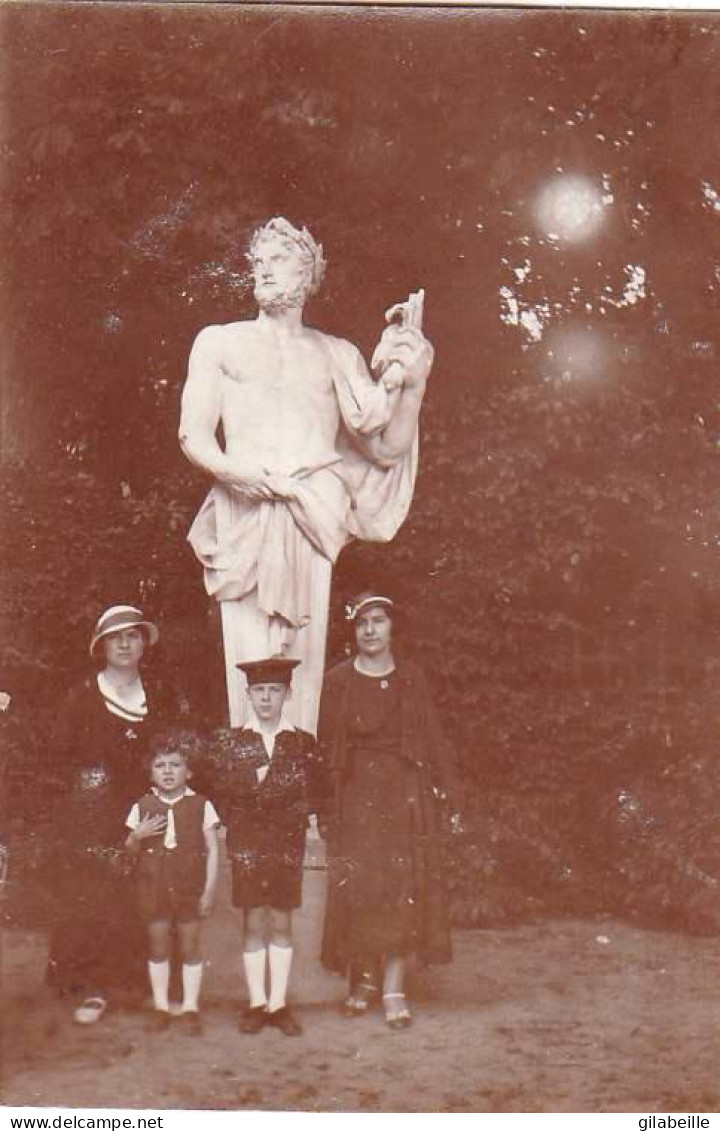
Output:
[[192, 980], [280, 962], [159, 982], [254, 963]]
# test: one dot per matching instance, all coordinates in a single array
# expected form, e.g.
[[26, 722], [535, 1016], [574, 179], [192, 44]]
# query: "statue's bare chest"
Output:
[[254, 363]]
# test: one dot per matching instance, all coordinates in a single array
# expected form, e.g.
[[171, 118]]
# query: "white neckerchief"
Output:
[[170, 840], [133, 710], [268, 737]]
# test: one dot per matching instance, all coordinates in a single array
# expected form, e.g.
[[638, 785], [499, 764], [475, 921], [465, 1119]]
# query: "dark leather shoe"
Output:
[[284, 1020], [190, 1023], [159, 1021], [252, 1020]]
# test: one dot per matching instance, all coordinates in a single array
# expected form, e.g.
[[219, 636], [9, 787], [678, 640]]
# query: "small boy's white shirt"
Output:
[[268, 737], [210, 817]]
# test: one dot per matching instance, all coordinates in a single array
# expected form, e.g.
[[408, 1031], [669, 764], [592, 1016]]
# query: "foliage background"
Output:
[[560, 563]]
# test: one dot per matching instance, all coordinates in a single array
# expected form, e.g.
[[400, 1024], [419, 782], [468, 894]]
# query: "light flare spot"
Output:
[[571, 208]]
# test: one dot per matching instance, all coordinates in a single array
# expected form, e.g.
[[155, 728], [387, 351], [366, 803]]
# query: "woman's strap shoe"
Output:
[[397, 1014], [360, 999], [91, 1010]]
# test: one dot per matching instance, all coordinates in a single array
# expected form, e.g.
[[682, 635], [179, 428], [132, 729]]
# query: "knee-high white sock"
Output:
[[159, 982], [254, 963], [280, 962], [192, 973]]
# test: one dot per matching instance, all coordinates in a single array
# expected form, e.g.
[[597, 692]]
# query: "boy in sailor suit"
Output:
[[265, 783]]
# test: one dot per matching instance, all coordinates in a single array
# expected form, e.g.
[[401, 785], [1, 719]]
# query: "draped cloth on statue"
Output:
[[269, 563]]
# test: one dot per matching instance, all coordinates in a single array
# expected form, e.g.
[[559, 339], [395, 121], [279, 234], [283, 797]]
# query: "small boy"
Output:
[[173, 831], [265, 782]]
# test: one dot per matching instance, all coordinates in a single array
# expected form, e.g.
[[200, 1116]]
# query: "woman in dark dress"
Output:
[[389, 777], [100, 752]]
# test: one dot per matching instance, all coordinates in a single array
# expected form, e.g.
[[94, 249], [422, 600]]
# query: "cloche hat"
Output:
[[118, 617], [364, 600]]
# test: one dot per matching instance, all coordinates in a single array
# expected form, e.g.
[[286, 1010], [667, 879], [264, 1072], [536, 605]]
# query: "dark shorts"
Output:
[[170, 886], [268, 879]]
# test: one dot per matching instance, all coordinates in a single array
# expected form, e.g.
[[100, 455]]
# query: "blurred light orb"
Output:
[[571, 208], [575, 353]]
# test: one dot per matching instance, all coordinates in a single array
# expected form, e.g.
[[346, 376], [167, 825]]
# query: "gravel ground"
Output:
[[586, 1016]]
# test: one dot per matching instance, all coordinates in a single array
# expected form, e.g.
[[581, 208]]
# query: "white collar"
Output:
[[133, 709], [253, 723], [166, 801]]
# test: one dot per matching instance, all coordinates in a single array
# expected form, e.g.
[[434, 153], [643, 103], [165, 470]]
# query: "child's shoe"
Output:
[[252, 1019], [159, 1021], [190, 1023], [285, 1021]]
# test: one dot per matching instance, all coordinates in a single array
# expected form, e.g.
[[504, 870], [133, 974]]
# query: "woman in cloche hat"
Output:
[[98, 749], [389, 777]]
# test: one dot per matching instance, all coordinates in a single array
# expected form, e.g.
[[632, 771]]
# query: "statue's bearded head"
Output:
[[287, 264]]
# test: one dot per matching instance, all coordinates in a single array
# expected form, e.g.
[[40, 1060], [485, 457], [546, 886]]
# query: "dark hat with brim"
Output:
[[275, 669]]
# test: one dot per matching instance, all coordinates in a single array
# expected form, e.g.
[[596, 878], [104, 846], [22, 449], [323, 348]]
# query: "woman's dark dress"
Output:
[[100, 762], [387, 764]]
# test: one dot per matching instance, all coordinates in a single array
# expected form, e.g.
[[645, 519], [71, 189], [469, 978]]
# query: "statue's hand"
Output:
[[282, 486], [251, 483], [410, 354]]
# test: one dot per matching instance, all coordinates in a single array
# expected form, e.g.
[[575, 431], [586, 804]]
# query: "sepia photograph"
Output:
[[360, 526]]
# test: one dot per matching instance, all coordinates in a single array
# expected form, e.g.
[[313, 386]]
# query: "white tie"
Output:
[[170, 838]]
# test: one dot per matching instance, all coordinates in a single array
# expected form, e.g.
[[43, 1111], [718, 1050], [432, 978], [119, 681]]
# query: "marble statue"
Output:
[[315, 451]]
